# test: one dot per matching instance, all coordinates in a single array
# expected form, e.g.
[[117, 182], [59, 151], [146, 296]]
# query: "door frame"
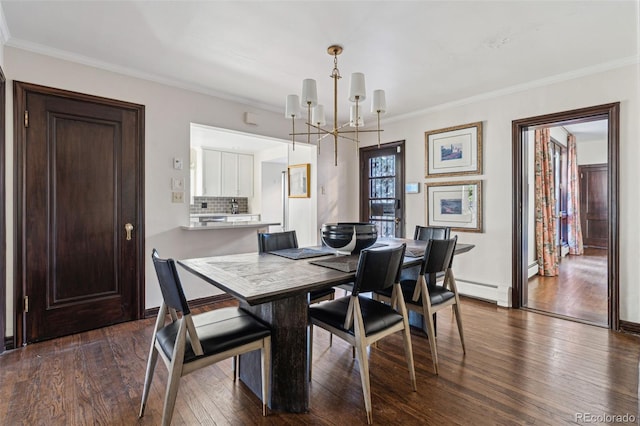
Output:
[[519, 230], [362, 176], [20, 91], [3, 231]]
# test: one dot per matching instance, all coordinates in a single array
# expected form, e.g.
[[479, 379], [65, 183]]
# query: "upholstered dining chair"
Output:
[[362, 321], [190, 342], [425, 233], [426, 297]]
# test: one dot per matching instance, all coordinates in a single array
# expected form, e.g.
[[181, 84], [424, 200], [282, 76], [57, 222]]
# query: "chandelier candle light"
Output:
[[315, 112]]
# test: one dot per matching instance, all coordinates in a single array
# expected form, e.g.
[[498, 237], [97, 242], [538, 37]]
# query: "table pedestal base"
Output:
[[289, 370]]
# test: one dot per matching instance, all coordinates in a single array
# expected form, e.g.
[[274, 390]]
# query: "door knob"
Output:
[[128, 228]]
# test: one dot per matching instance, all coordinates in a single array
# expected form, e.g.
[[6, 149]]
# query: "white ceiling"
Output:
[[425, 54]]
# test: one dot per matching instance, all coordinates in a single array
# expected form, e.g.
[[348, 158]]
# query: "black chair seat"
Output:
[[218, 331], [376, 316], [437, 294], [315, 294]]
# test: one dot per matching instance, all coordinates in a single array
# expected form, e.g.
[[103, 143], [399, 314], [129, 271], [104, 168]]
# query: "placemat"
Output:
[[303, 253], [339, 263]]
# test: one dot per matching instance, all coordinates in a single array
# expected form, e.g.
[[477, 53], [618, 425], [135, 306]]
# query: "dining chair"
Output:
[[190, 342], [362, 321], [425, 233], [426, 297], [271, 241]]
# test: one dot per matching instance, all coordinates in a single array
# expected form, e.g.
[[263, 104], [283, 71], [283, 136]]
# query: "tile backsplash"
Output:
[[217, 205]]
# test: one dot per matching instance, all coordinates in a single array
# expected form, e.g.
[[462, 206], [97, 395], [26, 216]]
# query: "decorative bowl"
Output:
[[349, 237]]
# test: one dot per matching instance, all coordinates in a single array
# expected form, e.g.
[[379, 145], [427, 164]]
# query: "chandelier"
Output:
[[315, 113]]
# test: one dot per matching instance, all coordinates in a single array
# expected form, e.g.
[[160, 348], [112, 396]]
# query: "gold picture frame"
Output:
[[299, 180], [454, 151], [457, 205]]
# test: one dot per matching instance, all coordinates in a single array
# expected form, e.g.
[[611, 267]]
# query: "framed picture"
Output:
[[454, 151], [299, 182], [455, 204]]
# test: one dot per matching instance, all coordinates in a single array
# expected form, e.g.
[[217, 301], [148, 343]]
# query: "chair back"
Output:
[[276, 241], [438, 255], [426, 233], [170, 286], [378, 269]]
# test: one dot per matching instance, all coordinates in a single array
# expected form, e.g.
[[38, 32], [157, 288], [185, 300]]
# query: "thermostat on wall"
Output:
[[412, 188]]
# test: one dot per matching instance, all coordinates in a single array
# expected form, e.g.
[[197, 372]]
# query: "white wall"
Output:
[[169, 112], [486, 270], [303, 212], [592, 152]]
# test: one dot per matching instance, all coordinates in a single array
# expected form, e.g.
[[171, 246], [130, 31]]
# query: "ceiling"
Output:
[[425, 54]]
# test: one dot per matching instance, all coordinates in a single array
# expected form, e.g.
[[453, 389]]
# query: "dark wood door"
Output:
[[593, 205], [82, 179], [382, 188]]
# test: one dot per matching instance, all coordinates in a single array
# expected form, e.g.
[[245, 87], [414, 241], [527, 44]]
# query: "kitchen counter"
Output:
[[223, 214], [208, 226]]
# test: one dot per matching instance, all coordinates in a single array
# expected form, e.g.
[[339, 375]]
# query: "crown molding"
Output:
[[582, 72], [130, 72]]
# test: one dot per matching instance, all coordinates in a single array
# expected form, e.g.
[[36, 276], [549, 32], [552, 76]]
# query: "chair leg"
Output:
[[310, 360], [408, 352], [363, 362], [456, 311], [235, 366], [431, 334], [151, 367], [265, 356], [172, 393]]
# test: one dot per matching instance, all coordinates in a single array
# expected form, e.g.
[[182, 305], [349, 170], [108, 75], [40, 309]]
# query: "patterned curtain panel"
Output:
[[545, 203], [573, 200]]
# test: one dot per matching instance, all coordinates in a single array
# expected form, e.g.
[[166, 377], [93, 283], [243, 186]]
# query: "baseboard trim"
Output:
[[195, 303], [8, 343], [629, 327]]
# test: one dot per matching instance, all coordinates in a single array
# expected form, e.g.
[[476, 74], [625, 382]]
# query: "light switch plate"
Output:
[[177, 163], [177, 197], [177, 184]]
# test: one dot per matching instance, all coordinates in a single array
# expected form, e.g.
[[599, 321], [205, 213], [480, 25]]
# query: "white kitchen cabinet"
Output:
[[227, 174], [211, 178]]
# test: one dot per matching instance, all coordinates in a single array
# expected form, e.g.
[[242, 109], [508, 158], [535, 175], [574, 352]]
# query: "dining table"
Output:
[[275, 287]]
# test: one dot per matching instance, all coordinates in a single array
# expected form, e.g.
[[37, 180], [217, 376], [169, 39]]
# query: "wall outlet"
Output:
[[177, 197], [177, 184]]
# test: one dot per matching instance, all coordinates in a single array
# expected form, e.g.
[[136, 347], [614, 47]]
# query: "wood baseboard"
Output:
[[195, 303], [630, 327], [8, 343]]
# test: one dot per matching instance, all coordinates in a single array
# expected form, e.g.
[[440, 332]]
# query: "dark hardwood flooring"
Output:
[[520, 368], [580, 291]]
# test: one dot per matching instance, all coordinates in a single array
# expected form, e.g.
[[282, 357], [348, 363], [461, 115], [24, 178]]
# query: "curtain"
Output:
[[545, 203], [574, 230]]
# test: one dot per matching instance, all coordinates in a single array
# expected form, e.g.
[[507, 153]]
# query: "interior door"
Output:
[[80, 218], [593, 205], [382, 188]]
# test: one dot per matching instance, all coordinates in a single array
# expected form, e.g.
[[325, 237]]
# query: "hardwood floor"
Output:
[[520, 368], [580, 291]]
